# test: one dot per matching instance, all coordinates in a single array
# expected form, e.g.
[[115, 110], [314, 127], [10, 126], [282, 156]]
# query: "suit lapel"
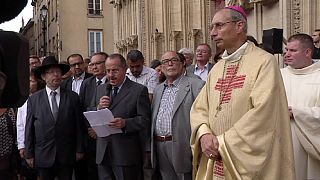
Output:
[[62, 102], [124, 91], [157, 101], [47, 104], [184, 88]]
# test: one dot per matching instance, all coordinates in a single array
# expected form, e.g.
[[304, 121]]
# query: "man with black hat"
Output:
[[53, 139]]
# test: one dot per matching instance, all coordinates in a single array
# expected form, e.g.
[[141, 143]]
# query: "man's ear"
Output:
[[308, 52], [240, 26]]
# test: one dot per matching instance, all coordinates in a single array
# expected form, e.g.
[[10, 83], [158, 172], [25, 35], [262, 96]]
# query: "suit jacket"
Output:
[[49, 140], [191, 68], [67, 84], [181, 129], [133, 105], [88, 95]]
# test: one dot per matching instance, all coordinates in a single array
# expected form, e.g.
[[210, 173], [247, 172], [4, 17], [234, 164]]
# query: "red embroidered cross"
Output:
[[230, 82]]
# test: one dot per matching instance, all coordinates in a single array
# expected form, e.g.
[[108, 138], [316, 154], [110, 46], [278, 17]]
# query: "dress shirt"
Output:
[[48, 90], [21, 123], [148, 77], [76, 83], [202, 73], [164, 116], [103, 80]]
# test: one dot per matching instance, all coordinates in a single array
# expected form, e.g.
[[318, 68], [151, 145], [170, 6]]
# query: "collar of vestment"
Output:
[[236, 56], [306, 70], [175, 82]]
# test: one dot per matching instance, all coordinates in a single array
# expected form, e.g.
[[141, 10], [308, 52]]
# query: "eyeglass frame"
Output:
[[173, 60], [219, 25], [97, 63]]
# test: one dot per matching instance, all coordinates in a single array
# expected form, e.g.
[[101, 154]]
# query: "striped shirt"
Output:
[[164, 116]]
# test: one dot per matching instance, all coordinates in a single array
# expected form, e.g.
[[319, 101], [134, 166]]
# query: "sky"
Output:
[[16, 23]]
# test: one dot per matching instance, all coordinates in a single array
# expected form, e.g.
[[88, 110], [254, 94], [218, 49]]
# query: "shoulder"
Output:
[[134, 85], [89, 80], [194, 81], [191, 67]]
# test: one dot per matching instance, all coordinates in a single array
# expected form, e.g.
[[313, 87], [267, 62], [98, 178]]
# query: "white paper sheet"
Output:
[[99, 121]]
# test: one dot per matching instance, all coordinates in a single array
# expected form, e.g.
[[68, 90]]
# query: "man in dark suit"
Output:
[[119, 156], [202, 66], [87, 96], [170, 132], [77, 68], [53, 138]]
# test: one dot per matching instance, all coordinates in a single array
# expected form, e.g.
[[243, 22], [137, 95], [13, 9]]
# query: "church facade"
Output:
[[155, 26]]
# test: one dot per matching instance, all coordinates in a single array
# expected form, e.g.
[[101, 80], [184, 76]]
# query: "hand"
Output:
[[209, 145], [21, 152], [104, 102], [30, 162], [290, 112], [79, 156], [117, 123], [92, 133]]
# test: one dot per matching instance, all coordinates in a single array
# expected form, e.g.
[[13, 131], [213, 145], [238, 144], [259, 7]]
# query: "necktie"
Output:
[[54, 104], [99, 82], [115, 91]]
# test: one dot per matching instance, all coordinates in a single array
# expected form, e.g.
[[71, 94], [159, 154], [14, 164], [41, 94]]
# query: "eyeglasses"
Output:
[[173, 60], [112, 71], [76, 64], [95, 64], [219, 25]]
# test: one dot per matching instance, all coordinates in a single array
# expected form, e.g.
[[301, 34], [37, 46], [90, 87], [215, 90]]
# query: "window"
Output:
[[95, 42], [94, 7]]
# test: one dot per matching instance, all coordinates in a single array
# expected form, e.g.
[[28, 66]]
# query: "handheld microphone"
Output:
[[109, 92]]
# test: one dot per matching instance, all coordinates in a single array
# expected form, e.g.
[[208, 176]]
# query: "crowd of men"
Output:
[[241, 118]]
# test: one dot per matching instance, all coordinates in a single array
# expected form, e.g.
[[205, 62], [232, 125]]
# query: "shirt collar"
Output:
[[102, 79], [81, 77], [206, 66], [175, 83], [48, 90]]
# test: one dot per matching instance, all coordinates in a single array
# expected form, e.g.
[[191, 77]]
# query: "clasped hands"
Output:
[[210, 146], [116, 122]]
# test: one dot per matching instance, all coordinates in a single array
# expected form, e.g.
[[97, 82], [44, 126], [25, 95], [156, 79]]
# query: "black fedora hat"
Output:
[[48, 62]]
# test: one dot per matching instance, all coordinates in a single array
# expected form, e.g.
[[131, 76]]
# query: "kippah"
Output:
[[238, 9]]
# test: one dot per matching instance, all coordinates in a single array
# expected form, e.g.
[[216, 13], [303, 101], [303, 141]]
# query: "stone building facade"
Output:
[[73, 26], [155, 26]]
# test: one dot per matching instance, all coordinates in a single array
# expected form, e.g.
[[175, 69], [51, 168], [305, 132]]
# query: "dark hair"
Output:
[[135, 55], [40, 83], [120, 57], [74, 55], [155, 63], [102, 54], [252, 39], [182, 58], [87, 60], [35, 57], [304, 39]]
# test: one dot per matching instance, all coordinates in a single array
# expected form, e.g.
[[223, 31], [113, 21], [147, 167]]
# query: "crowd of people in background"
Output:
[[190, 115]]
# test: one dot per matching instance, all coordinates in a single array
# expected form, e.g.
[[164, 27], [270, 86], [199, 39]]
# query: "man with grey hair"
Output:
[[240, 121], [188, 54]]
